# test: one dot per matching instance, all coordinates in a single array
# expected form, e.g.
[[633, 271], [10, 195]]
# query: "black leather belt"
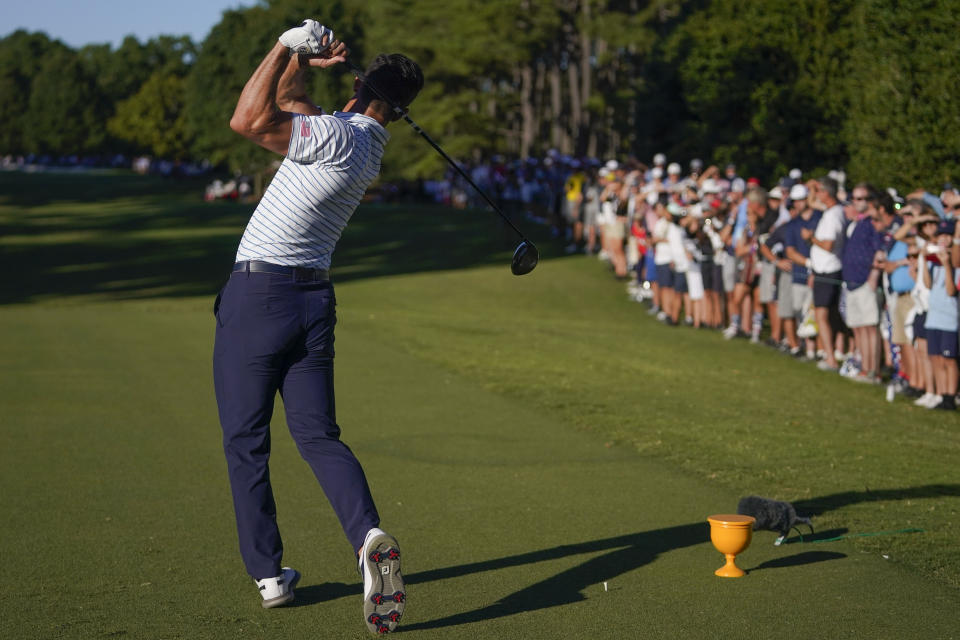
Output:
[[298, 273]]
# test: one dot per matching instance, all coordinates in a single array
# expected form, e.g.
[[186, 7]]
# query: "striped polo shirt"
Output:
[[330, 162]]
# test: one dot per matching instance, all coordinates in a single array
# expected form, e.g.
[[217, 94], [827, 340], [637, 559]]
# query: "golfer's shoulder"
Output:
[[359, 124]]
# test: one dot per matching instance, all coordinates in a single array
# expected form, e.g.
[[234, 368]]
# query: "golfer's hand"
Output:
[[335, 53]]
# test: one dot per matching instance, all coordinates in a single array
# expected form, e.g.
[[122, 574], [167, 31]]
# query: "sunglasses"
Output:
[[953, 207], [856, 199]]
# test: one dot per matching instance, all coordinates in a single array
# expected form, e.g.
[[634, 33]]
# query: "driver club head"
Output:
[[525, 258]]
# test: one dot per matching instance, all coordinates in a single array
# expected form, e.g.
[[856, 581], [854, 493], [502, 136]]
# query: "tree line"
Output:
[[866, 85]]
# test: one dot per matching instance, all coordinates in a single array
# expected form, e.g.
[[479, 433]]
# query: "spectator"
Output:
[[662, 257], [826, 247], [860, 275], [573, 207], [927, 229], [941, 322]]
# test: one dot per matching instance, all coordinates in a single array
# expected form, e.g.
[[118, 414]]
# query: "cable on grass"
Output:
[[854, 535]]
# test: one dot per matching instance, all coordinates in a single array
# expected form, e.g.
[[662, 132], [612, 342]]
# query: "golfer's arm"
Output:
[[796, 257], [292, 90], [257, 117]]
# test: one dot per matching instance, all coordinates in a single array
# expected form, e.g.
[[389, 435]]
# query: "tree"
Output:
[[153, 119], [903, 127], [19, 66], [61, 117]]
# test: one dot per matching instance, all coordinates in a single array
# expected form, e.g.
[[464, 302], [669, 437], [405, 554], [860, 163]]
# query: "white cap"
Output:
[[657, 173], [798, 192], [652, 198], [674, 169], [603, 172], [659, 159], [796, 174], [696, 210], [737, 185], [612, 165], [710, 186], [776, 193]]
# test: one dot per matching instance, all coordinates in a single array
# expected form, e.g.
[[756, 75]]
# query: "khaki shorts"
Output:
[[616, 230], [899, 318], [767, 291], [785, 306], [862, 307]]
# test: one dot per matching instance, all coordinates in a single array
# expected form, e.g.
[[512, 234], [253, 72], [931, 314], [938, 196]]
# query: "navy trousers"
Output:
[[275, 333]]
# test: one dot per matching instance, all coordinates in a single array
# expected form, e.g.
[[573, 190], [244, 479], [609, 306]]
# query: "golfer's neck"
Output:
[[355, 106]]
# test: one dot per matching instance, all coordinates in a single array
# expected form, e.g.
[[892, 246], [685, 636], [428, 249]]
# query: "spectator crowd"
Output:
[[861, 282]]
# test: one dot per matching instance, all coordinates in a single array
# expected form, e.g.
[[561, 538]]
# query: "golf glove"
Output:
[[311, 37]]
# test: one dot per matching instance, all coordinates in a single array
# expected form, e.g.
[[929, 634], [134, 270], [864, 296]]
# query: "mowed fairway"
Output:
[[546, 453]]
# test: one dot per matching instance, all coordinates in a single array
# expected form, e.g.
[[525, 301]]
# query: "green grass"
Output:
[[527, 439]]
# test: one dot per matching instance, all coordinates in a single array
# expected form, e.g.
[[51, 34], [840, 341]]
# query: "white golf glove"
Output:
[[310, 37]]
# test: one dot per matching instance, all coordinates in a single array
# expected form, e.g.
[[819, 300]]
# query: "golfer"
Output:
[[275, 316]]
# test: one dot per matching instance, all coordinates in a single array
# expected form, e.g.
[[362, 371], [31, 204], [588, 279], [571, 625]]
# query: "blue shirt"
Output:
[[900, 280], [792, 238], [858, 253], [942, 314]]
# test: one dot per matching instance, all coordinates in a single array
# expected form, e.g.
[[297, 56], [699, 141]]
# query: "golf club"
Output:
[[526, 255]]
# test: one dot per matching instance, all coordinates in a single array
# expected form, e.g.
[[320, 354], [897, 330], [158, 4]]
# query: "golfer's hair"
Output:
[[396, 76]]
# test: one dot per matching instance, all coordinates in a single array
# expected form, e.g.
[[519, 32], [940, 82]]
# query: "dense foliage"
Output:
[[863, 84]]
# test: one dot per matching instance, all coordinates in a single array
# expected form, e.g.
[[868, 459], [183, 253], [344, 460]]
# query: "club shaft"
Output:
[[359, 73]]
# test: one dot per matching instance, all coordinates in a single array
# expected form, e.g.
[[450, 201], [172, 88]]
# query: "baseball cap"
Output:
[[798, 192], [935, 203], [612, 165], [674, 169], [659, 159], [737, 185], [657, 172], [946, 227], [796, 174], [776, 193]]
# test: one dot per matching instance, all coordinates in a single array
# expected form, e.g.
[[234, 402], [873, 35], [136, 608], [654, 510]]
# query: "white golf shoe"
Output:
[[278, 591], [383, 592]]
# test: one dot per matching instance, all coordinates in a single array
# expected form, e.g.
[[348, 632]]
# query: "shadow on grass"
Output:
[[630, 552], [807, 557], [818, 506], [325, 592], [121, 237]]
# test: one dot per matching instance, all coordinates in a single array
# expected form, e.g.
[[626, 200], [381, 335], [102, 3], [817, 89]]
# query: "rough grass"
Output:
[[528, 440]]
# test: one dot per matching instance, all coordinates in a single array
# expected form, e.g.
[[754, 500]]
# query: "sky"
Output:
[[80, 22]]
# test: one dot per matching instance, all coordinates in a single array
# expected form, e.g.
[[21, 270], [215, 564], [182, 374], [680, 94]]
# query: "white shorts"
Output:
[[729, 273], [862, 308], [695, 283]]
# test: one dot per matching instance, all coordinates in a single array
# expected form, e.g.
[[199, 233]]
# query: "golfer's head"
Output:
[[395, 76]]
